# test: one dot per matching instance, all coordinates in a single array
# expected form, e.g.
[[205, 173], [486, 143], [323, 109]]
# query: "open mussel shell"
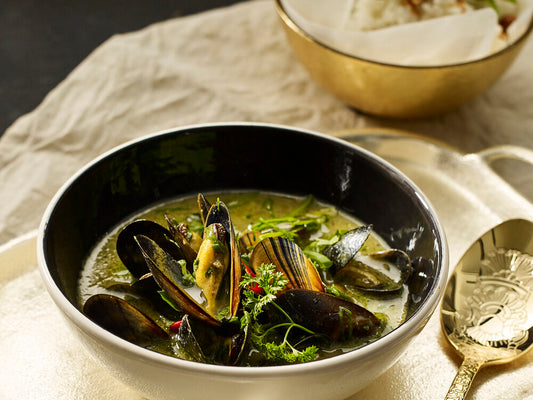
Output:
[[178, 234], [397, 258], [219, 214], [248, 241], [347, 247], [212, 267], [197, 341], [359, 274], [186, 344], [167, 273], [328, 315], [123, 319], [289, 259], [204, 205], [146, 289], [128, 249]]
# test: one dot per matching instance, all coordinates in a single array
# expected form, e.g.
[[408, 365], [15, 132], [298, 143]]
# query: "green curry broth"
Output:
[[103, 267]]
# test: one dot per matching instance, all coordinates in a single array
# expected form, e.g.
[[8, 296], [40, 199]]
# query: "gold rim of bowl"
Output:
[[289, 21]]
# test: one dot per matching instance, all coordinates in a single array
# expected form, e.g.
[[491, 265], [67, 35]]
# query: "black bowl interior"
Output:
[[222, 157]]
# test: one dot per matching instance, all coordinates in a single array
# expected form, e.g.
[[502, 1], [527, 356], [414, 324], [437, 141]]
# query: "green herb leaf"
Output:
[[269, 280], [167, 299], [272, 341], [319, 259], [187, 278], [302, 209]]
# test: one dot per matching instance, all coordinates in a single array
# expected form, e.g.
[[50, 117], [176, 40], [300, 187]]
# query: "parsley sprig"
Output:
[[266, 337], [270, 281]]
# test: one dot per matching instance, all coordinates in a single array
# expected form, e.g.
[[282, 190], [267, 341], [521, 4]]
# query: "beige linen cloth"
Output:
[[230, 64]]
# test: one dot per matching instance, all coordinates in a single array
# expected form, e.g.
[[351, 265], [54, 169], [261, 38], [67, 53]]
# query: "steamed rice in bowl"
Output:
[[413, 32], [366, 15]]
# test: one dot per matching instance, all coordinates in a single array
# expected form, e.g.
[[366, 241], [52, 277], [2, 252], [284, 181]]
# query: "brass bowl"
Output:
[[393, 90]]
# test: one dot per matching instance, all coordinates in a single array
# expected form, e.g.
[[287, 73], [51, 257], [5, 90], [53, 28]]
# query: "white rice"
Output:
[[366, 15]]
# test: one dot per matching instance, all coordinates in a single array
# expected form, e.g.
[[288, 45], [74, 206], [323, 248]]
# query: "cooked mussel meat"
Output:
[[168, 275], [353, 269], [359, 273], [213, 262], [218, 270], [219, 214]]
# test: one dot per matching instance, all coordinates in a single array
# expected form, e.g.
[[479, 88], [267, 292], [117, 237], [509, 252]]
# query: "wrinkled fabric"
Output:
[[229, 64]]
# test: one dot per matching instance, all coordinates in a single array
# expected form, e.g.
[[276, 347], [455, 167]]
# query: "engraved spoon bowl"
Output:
[[487, 309]]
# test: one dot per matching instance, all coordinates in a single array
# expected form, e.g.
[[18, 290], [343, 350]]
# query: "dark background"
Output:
[[41, 41]]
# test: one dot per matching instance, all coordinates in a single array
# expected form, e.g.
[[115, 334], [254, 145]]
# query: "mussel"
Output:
[[188, 242], [328, 315], [218, 265], [205, 206], [348, 245], [124, 320], [289, 259], [304, 299], [205, 343], [131, 256], [155, 255], [201, 277], [359, 271], [145, 290]]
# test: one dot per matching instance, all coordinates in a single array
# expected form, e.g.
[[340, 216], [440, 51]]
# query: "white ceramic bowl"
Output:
[[228, 156]]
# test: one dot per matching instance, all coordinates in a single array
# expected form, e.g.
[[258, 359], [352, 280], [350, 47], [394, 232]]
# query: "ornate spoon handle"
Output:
[[464, 377]]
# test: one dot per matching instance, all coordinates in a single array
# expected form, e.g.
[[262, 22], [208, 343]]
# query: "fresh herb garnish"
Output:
[[272, 340], [187, 278], [314, 251], [297, 226], [302, 209], [167, 299], [267, 279], [319, 259], [288, 227]]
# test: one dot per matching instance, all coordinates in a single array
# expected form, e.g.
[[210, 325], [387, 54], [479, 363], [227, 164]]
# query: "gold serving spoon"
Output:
[[487, 310]]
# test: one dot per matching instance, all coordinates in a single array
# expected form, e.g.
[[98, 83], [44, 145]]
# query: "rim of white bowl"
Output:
[[412, 325]]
